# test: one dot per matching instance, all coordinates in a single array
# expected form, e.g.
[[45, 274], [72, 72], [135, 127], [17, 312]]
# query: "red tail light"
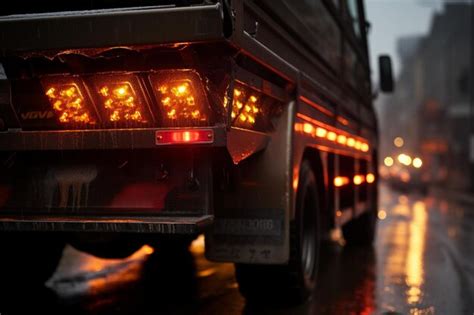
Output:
[[121, 100], [181, 98], [184, 136], [68, 100]]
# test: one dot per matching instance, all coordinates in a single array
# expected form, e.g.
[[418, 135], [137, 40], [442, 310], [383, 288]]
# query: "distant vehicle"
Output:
[[132, 122]]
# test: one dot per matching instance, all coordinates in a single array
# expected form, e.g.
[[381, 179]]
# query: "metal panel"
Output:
[[90, 139], [105, 28], [160, 225]]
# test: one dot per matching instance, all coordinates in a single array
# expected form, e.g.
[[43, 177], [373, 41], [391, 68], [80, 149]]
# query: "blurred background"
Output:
[[426, 124]]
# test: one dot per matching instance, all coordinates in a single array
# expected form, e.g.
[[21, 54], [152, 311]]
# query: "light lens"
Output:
[[67, 101], [182, 98], [246, 108], [184, 136], [121, 99]]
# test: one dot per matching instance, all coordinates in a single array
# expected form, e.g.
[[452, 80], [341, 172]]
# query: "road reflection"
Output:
[[421, 263]]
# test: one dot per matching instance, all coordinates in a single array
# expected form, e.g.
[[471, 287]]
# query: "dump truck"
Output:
[[134, 122]]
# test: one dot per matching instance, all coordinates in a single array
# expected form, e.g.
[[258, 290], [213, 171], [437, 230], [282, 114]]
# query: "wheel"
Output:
[[361, 231], [28, 259], [293, 282]]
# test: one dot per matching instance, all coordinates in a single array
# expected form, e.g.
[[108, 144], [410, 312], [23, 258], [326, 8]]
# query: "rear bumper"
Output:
[[101, 139], [156, 225], [111, 27]]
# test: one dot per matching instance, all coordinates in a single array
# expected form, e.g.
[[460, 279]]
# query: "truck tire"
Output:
[[293, 282], [361, 231], [28, 259]]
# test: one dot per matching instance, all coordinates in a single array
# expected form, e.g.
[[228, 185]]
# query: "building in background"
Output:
[[431, 107]]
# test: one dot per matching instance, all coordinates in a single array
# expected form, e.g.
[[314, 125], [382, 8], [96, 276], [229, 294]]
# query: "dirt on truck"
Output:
[[125, 123]]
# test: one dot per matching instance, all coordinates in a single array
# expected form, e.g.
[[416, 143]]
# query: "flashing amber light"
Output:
[[246, 108], [350, 142], [341, 139], [388, 161], [332, 136], [121, 103], [69, 104], [308, 128], [370, 178], [179, 101], [321, 132], [194, 136], [364, 147], [358, 179], [340, 181]]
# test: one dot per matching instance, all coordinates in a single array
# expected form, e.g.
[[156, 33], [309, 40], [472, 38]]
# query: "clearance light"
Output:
[[370, 178], [341, 139], [364, 147], [340, 181], [332, 136], [308, 128], [350, 142], [358, 179], [321, 132], [246, 108], [201, 136], [68, 103], [182, 98]]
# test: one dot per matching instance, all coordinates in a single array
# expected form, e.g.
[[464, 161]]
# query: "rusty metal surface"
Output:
[[112, 27], [160, 225]]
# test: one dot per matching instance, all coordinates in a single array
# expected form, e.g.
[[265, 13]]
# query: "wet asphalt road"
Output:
[[422, 263]]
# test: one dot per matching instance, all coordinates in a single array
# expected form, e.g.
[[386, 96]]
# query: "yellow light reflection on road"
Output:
[[416, 247]]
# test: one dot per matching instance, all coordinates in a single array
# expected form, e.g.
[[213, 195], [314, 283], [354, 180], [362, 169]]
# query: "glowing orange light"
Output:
[[246, 108], [341, 139], [358, 145], [68, 103], [332, 136], [364, 147], [370, 178], [184, 136], [340, 181], [120, 102], [358, 179], [321, 132], [350, 142], [308, 128]]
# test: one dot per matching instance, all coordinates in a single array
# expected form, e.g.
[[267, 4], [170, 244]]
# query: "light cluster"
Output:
[[332, 135], [68, 103], [178, 99], [245, 107], [120, 102]]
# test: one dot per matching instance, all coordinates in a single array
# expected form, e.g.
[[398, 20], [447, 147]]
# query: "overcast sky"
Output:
[[391, 19]]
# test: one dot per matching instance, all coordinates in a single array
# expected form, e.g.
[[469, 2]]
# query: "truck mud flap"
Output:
[[158, 225]]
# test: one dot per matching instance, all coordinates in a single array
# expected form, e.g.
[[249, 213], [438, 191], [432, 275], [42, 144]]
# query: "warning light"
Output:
[[193, 136], [182, 99], [68, 103], [121, 103], [340, 181], [246, 108]]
